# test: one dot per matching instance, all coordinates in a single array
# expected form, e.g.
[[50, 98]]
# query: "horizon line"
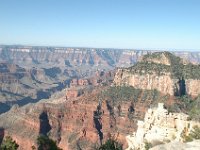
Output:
[[91, 47]]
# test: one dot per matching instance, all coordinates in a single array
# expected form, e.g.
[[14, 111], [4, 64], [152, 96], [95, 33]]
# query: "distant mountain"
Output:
[[73, 57], [21, 86]]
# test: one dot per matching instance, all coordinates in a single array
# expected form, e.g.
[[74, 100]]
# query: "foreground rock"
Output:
[[194, 145], [160, 126]]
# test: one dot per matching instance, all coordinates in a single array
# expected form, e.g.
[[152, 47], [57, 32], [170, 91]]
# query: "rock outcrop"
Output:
[[163, 83], [160, 126], [164, 72], [194, 145]]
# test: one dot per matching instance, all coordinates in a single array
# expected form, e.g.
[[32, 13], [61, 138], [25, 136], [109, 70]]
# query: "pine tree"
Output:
[[9, 144]]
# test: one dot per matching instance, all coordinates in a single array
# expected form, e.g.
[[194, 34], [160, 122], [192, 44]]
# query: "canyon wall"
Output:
[[162, 83], [192, 87], [164, 72], [63, 56], [80, 122]]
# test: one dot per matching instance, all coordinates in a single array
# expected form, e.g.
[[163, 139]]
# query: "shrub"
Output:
[[45, 143], [110, 144], [193, 135], [147, 145], [177, 69], [9, 144]]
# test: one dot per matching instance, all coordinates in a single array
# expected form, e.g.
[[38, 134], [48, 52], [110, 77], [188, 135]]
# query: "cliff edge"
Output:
[[163, 71]]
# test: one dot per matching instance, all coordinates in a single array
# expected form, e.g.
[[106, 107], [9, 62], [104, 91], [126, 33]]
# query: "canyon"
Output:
[[88, 94], [49, 69]]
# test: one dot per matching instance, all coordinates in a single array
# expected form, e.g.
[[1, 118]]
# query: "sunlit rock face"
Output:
[[162, 71], [194, 145], [160, 126], [162, 83]]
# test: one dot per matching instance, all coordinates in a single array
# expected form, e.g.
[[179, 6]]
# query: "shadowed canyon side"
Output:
[[26, 85], [71, 124]]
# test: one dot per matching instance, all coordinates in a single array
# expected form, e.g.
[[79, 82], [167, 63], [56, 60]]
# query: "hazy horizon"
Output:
[[82, 47]]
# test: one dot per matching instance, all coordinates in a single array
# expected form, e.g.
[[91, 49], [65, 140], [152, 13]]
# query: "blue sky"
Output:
[[146, 24]]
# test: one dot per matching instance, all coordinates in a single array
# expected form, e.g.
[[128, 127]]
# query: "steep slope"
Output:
[[72, 124], [81, 121], [162, 71]]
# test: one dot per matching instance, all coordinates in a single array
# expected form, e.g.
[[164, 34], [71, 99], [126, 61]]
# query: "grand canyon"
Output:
[[80, 97]]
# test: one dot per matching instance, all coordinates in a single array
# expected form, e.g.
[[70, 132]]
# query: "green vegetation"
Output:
[[110, 144], [193, 135], [9, 144], [187, 105], [118, 94], [45, 143], [147, 146], [194, 109], [143, 68], [158, 55], [129, 93], [175, 108], [115, 96], [177, 69]]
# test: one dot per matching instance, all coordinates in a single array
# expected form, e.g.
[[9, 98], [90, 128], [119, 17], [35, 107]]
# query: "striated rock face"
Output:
[[163, 83], [63, 56], [68, 56], [160, 126], [193, 87], [164, 72], [80, 122]]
